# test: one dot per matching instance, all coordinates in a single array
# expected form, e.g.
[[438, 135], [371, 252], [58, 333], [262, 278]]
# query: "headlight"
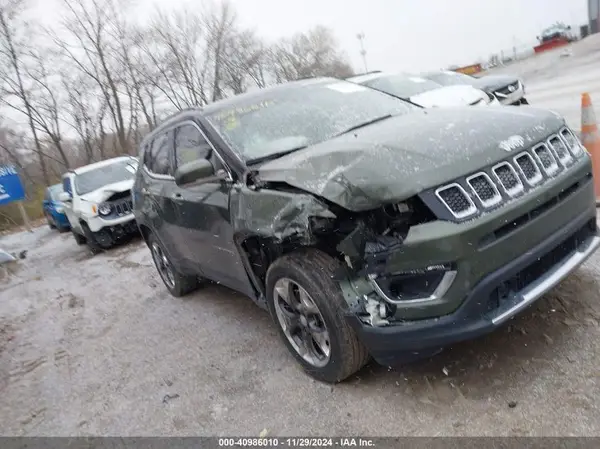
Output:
[[59, 209], [104, 209]]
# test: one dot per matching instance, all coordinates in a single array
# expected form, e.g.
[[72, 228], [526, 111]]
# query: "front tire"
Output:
[[524, 101], [80, 239], [308, 308], [90, 240], [177, 283]]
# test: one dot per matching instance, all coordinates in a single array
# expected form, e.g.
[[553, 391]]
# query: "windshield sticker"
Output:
[[417, 80], [231, 122], [228, 114], [346, 88]]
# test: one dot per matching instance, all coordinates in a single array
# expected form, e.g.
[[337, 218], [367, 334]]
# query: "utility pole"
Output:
[[361, 36], [514, 48]]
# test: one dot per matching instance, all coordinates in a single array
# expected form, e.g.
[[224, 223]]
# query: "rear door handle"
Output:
[[177, 197], [144, 190]]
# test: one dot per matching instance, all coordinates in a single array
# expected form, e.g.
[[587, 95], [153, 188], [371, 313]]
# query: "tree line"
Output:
[[90, 86]]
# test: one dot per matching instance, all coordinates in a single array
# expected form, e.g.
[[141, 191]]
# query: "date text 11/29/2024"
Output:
[[295, 442]]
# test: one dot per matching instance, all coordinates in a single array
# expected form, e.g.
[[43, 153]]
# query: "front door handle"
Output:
[[144, 190]]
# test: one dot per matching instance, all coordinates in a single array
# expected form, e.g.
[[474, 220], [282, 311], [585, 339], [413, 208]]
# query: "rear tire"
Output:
[[177, 283], [312, 271], [50, 222]]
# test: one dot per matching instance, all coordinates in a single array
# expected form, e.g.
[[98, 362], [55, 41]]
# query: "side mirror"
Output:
[[64, 197], [569, 27], [197, 170]]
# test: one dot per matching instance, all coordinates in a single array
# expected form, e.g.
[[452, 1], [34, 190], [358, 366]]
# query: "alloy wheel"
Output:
[[163, 265], [302, 322]]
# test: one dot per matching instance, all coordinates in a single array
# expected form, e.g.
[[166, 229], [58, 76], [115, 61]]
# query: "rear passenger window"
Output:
[[190, 145], [158, 157]]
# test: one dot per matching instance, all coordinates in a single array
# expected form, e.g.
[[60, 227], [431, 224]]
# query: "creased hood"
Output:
[[397, 158], [102, 194], [449, 96], [494, 82]]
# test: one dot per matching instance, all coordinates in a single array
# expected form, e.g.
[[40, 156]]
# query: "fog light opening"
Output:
[[414, 286]]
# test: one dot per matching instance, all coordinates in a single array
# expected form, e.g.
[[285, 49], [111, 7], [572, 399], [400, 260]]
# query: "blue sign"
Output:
[[11, 188]]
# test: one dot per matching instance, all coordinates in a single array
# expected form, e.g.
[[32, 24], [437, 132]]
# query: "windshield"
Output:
[[55, 190], [286, 119], [401, 85], [451, 78], [108, 174]]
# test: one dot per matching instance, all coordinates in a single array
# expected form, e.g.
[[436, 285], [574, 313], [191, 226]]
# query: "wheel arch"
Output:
[[260, 251]]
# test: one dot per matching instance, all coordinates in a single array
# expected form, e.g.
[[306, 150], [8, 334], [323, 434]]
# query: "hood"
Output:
[[105, 192], [449, 96], [397, 158], [494, 82]]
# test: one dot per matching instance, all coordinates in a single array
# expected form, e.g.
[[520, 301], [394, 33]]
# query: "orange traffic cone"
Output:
[[591, 139]]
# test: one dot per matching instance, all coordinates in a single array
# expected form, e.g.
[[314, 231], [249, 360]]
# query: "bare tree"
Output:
[[84, 117], [91, 23], [220, 21], [13, 53], [314, 53], [244, 61], [175, 52], [45, 104]]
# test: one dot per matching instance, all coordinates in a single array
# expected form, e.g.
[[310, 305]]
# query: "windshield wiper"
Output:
[[272, 156], [370, 122]]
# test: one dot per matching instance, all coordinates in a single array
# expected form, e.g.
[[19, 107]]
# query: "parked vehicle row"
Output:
[[94, 203], [425, 92], [509, 90], [366, 224]]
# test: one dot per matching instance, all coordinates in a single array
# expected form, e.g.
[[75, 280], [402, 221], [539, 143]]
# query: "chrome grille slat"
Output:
[[571, 141], [122, 206], [528, 168], [508, 178], [560, 149], [485, 189], [545, 159], [456, 200]]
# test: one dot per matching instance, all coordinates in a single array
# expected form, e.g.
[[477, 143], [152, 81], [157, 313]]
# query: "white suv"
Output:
[[98, 203]]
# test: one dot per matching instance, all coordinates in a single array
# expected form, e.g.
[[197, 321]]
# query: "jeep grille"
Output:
[[491, 188]]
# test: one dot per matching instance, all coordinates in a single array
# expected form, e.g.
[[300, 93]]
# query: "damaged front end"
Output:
[[272, 219]]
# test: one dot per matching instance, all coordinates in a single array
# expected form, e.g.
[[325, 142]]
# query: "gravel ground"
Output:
[[96, 346]]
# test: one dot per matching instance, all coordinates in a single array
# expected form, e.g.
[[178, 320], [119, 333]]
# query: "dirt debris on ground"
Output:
[[96, 346]]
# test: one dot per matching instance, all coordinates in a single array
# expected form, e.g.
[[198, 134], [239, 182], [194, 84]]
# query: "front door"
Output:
[[205, 228]]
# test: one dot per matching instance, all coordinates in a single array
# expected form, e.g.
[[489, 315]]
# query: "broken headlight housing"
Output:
[[414, 286], [104, 209]]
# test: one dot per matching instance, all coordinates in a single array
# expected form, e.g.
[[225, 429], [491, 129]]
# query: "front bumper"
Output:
[[533, 274], [98, 223]]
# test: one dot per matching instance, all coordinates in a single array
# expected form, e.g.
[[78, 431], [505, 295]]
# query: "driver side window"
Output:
[[191, 145]]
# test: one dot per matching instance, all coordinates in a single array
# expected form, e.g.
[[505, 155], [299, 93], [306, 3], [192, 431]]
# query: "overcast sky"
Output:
[[412, 34], [408, 35]]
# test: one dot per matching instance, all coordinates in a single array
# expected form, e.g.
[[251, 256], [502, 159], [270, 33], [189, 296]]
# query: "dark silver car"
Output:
[[508, 89]]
